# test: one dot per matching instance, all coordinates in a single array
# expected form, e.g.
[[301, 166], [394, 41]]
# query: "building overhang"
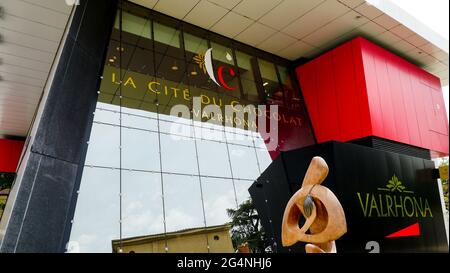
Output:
[[31, 34], [294, 29]]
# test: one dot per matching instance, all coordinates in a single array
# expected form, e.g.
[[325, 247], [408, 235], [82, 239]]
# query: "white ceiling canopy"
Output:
[[31, 32], [306, 28]]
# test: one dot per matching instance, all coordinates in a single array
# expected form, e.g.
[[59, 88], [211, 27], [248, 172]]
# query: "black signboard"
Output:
[[391, 201]]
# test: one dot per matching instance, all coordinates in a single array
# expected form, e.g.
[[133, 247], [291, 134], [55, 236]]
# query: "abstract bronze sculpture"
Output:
[[324, 215]]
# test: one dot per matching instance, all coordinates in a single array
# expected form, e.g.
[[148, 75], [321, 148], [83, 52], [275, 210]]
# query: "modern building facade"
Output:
[[152, 119]]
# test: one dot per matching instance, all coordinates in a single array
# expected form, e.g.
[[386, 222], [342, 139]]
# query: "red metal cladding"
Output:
[[10, 151], [360, 89]]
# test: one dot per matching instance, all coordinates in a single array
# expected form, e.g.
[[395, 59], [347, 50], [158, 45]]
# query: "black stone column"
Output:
[[40, 220]]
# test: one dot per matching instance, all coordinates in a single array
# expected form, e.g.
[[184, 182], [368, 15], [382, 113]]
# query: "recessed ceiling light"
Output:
[[265, 84], [120, 49], [111, 60], [194, 73]]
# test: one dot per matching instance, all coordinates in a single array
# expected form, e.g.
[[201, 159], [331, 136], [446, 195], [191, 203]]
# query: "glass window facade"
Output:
[[245, 65], [152, 175], [272, 89]]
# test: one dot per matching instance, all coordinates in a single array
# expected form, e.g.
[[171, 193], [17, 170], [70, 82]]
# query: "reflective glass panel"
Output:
[[194, 45], [167, 36], [96, 219], [264, 158], [185, 162], [141, 204], [271, 86], [134, 24], [104, 143], [213, 158], [218, 197], [245, 64], [242, 193], [140, 150], [183, 203], [243, 162]]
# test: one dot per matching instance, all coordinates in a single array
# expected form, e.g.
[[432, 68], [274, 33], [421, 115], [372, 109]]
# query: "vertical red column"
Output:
[[10, 151]]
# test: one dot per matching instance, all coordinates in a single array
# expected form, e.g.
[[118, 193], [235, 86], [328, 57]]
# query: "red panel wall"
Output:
[[360, 89], [10, 151], [335, 95]]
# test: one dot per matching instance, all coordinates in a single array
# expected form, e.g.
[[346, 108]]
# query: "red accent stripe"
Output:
[[412, 230], [10, 151]]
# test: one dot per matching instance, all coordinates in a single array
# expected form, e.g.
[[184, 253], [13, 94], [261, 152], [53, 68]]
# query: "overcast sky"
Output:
[[434, 14]]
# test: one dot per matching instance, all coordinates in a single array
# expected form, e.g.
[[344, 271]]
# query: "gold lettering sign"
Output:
[[159, 95]]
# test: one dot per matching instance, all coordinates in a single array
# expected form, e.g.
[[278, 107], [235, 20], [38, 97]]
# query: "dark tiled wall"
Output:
[[41, 217]]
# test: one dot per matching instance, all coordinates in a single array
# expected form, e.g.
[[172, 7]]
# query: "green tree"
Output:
[[246, 227]]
